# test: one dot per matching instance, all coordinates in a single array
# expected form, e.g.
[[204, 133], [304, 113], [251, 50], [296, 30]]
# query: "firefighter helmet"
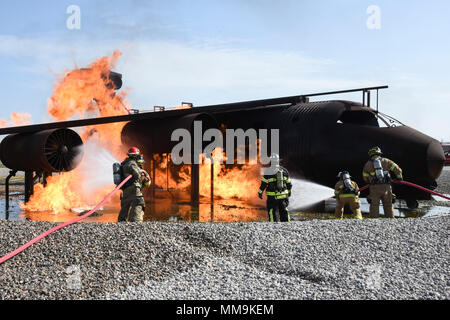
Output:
[[375, 151], [133, 151], [343, 174], [274, 159]]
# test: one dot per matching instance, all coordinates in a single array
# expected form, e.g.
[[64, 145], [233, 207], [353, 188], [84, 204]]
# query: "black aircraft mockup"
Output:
[[317, 139]]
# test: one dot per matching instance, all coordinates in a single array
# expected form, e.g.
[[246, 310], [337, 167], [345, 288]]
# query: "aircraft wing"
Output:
[[227, 107]]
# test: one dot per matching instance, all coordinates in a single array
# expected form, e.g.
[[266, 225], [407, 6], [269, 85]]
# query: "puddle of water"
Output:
[[159, 210], [401, 210], [14, 210], [164, 208], [440, 199]]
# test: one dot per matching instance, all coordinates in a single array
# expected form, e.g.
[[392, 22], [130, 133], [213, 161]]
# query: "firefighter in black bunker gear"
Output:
[[277, 184]]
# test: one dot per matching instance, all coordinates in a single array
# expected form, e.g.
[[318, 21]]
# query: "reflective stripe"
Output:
[[274, 179], [393, 166], [271, 215], [348, 195], [260, 191], [278, 195], [384, 171], [365, 174], [282, 194], [274, 193]]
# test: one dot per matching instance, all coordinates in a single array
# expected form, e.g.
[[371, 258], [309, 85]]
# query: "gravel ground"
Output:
[[444, 181], [443, 187], [318, 259]]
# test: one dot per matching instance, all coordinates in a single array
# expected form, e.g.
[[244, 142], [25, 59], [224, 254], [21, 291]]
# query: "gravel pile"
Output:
[[319, 259]]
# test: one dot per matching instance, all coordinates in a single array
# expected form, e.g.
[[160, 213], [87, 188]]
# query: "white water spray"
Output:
[[306, 193], [96, 167]]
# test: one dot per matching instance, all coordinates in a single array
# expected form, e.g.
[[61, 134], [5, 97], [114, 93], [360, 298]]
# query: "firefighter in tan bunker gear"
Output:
[[377, 172], [132, 200], [347, 192]]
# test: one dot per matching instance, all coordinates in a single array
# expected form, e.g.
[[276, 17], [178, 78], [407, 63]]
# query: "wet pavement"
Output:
[[160, 210], [165, 208], [222, 211]]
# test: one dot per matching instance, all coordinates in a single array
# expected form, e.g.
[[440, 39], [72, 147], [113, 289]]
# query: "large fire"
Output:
[[82, 93], [230, 181], [78, 94]]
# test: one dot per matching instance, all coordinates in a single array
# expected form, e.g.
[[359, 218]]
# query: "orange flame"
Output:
[[78, 94], [87, 92], [230, 181], [184, 106], [17, 119]]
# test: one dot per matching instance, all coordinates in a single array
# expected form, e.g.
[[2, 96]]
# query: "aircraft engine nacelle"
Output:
[[48, 151], [154, 136]]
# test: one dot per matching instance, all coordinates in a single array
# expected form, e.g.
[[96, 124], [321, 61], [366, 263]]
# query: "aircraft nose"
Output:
[[435, 159]]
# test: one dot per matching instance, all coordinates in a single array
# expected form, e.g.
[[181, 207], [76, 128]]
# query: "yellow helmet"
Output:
[[375, 151]]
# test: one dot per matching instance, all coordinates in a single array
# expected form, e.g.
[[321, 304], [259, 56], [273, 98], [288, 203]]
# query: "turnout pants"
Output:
[[353, 203], [132, 209], [277, 209], [384, 193]]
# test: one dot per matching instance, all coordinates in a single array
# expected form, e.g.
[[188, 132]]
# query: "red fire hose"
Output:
[[406, 183], [46, 233]]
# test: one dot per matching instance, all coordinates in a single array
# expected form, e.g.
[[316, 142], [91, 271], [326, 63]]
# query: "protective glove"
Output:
[[146, 181]]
